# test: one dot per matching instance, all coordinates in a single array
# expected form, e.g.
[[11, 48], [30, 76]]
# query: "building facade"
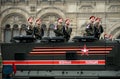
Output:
[[14, 15]]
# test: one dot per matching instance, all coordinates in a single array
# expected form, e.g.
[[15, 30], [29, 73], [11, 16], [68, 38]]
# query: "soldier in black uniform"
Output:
[[67, 30], [98, 29]]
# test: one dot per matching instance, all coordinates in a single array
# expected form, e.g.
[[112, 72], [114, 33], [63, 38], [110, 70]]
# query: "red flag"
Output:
[[14, 68]]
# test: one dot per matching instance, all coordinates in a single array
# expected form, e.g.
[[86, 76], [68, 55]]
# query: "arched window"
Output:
[[51, 30], [15, 26], [44, 26], [45, 29], [7, 26], [7, 33], [50, 19], [12, 22], [51, 26], [15, 30], [22, 29]]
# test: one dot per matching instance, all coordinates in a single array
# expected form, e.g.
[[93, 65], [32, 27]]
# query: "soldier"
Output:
[[38, 30], [29, 29], [59, 29], [98, 29], [89, 27], [68, 30]]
